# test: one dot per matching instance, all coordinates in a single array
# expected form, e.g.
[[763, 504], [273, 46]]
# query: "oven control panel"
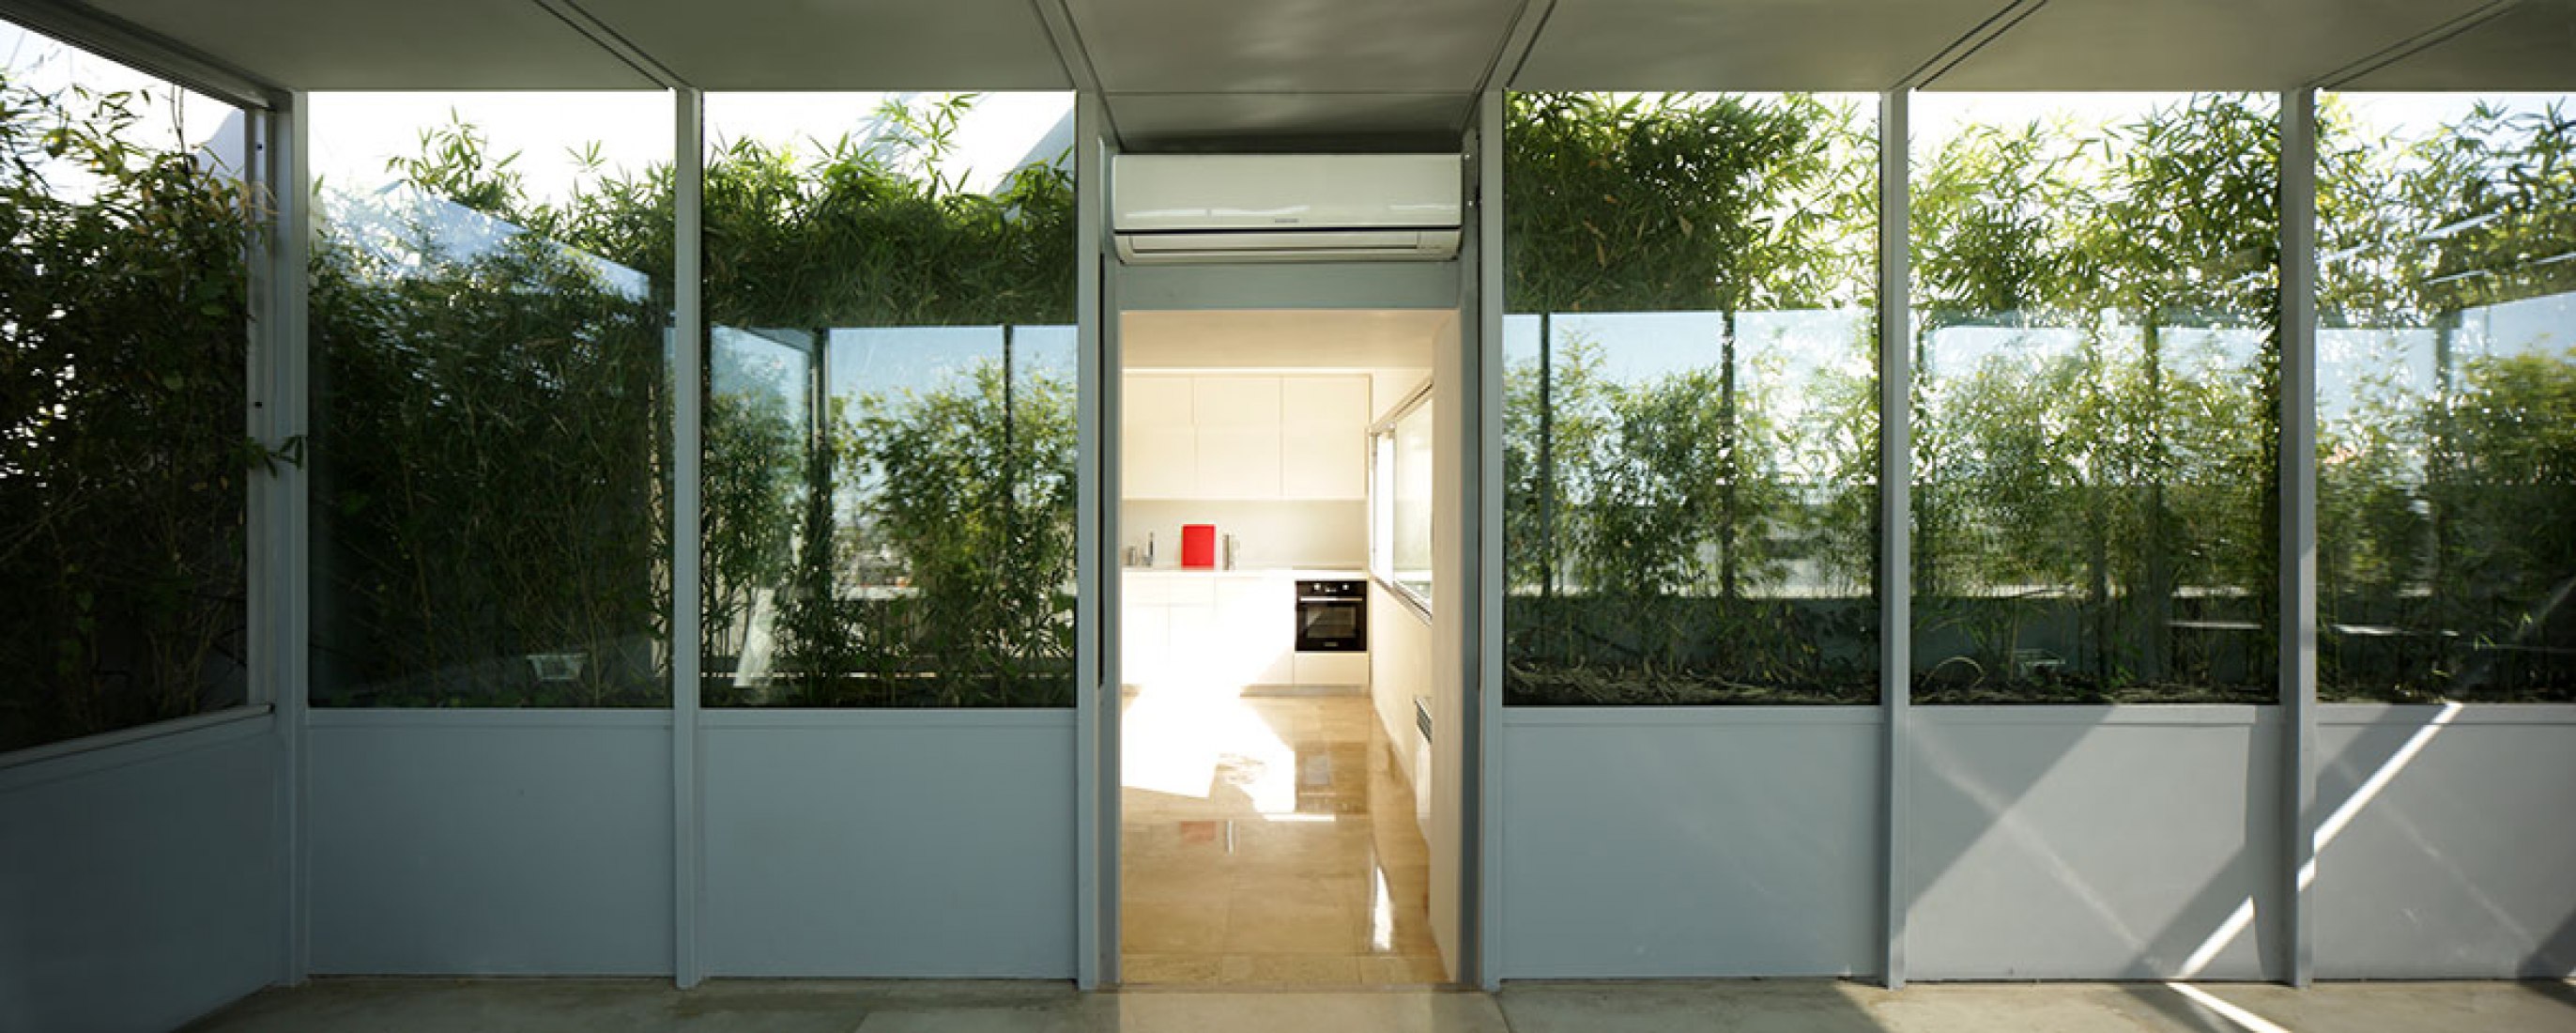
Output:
[[1321, 590]]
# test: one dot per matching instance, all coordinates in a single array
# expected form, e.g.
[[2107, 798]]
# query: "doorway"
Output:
[[1276, 821]]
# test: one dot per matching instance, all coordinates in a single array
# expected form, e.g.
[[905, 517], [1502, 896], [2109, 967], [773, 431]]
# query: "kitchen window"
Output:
[[1400, 500]]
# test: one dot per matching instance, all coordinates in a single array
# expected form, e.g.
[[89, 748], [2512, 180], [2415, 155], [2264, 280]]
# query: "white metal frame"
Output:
[[688, 358], [1381, 563], [2298, 540], [1895, 506], [1096, 673]]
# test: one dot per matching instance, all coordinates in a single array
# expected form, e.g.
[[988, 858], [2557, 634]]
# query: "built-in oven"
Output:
[[1332, 616]]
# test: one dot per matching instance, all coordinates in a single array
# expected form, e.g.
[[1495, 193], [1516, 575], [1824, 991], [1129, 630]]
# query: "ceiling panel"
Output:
[[343, 45], [2530, 47], [1280, 339], [1289, 121], [2193, 44], [1291, 46], [1753, 45], [843, 44]]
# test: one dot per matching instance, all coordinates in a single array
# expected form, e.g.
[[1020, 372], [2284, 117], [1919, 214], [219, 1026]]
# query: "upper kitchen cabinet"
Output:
[[1160, 439], [1238, 425], [1245, 437], [1323, 437]]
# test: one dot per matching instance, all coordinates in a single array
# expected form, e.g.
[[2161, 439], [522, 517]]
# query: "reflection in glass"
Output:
[[890, 412], [491, 408], [123, 358], [1689, 439], [1410, 561], [2446, 399], [2096, 399]]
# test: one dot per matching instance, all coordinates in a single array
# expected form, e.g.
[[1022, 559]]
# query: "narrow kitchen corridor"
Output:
[[1269, 841]]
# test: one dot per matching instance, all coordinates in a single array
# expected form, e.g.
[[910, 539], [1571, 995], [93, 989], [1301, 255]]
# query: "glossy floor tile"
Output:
[[1269, 842]]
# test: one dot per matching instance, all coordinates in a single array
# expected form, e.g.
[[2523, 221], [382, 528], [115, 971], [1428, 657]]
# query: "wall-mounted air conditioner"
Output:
[[1285, 207]]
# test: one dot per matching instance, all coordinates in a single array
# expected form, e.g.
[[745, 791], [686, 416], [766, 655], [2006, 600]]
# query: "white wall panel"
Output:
[[2452, 853], [2093, 843], [922, 843], [139, 883], [491, 842], [1657, 841]]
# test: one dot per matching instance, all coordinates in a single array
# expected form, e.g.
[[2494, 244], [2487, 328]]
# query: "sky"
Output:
[[354, 134]]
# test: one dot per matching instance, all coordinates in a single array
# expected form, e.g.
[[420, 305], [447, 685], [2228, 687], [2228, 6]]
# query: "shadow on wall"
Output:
[[2092, 842], [2430, 861], [2141, 845]]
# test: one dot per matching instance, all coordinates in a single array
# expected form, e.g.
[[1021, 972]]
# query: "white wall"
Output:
[[1268, 534], [1450, 699], [490, 842], [2453, 852], [1705, 841], [912, 843], [2069, 842], [141, 884], [1390, 386], [1399, 669]]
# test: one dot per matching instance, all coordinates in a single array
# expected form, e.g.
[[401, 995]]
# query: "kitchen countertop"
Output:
[[1300, 573]]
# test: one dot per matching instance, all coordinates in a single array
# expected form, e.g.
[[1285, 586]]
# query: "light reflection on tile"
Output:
[[1269, 842]]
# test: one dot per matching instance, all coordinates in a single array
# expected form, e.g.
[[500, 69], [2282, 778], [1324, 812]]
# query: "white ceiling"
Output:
[[1184, 74], [1822, 45], [1280, 339]]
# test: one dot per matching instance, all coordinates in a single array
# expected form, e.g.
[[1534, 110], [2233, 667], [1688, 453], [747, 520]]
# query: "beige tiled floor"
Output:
[[1268, 841]]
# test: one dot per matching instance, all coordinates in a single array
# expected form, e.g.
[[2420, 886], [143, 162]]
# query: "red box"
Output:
[[1198, 545]]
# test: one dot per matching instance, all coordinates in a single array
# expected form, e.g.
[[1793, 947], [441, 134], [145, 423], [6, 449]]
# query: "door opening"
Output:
[[1275, 823]]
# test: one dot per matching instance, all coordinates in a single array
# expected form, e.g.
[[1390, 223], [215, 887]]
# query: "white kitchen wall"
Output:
[[1267, 534], [1387, 387]]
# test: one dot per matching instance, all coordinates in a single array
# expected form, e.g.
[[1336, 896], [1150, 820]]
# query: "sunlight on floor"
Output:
[[1268, 841]]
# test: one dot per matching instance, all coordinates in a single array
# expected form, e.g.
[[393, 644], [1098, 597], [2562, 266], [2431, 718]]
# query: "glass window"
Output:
[[890, 417], [2095, 398], [1690, 433], [491, 301], [1400, 500], [123, 461], [2446, 398]]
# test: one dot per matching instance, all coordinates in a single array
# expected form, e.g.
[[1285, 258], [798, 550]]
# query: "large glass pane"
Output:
[[890, 423], [490, 312], [1690, 433], [123, 459], [2095, 398], [2446, 398]]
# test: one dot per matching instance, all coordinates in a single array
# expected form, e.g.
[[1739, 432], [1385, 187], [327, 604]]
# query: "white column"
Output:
[[1096, 812], [688, 332], [1484, 864], [280, 589], [2298, 491], [1895, 503]]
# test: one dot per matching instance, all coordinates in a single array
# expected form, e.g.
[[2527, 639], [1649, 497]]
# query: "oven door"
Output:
[[1332, 625]]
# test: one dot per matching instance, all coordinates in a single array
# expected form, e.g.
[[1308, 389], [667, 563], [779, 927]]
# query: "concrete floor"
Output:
[[1802, 1006]]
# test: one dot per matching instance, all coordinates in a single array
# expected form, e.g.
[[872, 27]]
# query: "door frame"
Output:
[[1108, 288]]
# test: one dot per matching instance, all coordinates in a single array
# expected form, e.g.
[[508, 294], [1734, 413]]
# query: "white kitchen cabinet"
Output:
[[1323, 443], [1332, 669], [1158, 402], [1144, 642], [1245, 437], [1235, 402], [1324, 464], [1256, 620], [1160, 463], [1220, 631], [1238, 463], [1307, 403]]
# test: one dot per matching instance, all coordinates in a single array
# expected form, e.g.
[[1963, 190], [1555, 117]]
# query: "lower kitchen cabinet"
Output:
[[1222, 629]]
